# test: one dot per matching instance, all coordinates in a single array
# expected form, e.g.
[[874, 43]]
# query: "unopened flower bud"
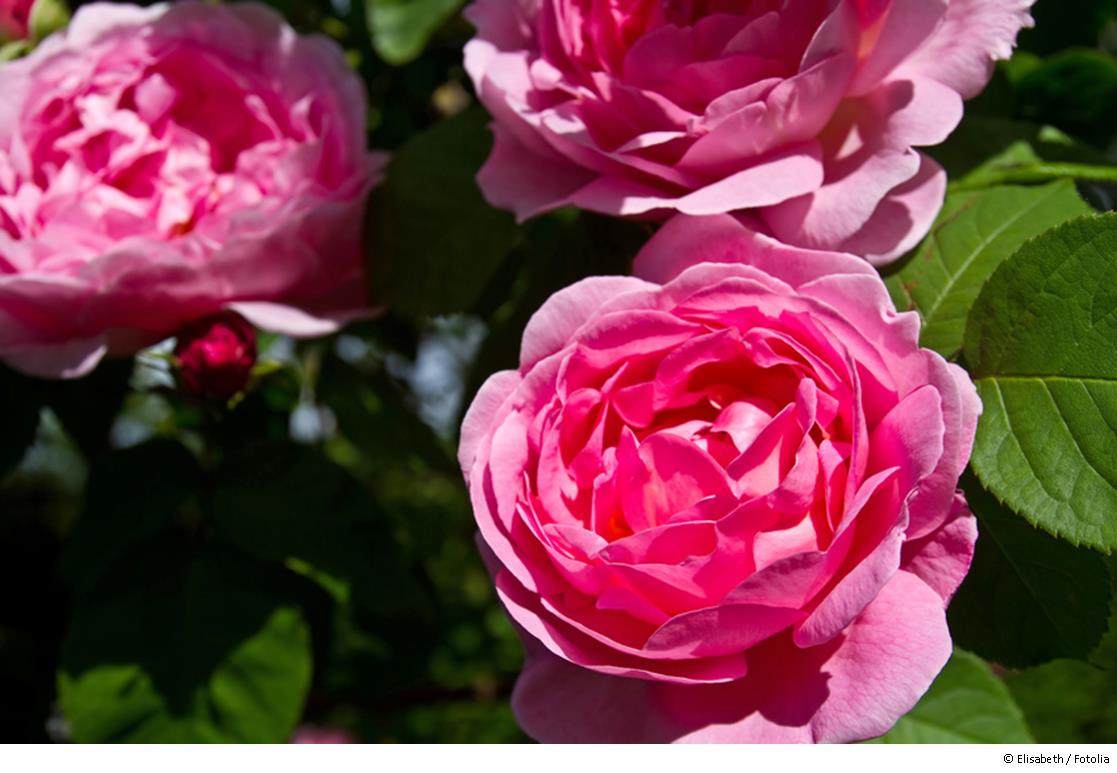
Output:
[[216, 355]]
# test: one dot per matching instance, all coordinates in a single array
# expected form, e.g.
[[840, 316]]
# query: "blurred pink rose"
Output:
[[15, 15], [160, 164], [803, 111], [720, 500], [321, 735], [216, 355]]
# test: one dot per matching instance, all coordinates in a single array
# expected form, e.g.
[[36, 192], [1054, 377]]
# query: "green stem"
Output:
[[1038, 173]]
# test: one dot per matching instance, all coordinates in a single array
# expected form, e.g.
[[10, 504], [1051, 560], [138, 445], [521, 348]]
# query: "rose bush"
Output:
[[158, 165], [804, 113], [720, 499]]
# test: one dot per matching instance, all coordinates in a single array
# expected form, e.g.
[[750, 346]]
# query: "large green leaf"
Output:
[[975, 233], [177, 646], [1041, 343], [433, 243], [1029, 597], [283, 503], [401, 28], [966, 704]]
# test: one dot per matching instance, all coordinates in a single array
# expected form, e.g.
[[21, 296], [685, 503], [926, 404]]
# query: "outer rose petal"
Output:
[[482, 414], [902, 217], [289, 320], [525, 182], [686, 241], [552, 327], [974, 35], [72, 359], [850, 689], [942, 558]]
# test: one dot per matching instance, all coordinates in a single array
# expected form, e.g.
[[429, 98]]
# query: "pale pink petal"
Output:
[[902, 218], [975, 34], [72, 359]]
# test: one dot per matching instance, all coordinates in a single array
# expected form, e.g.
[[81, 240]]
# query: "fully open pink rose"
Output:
[[805, 111], [160, 164], [720, 500], [15, 16]]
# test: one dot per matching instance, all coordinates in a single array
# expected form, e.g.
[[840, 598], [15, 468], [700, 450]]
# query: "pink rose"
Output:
[[15, 16], [216, 355], [804, 112], [160, 164], [720, 500]]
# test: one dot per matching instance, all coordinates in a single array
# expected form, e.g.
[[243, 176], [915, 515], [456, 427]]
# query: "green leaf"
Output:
[[401, 28], [1029, 597], [1040, 343], [976, 231], [433, 243], [966, 704], [284, 503], [177, 647], [131, 495], [1070, 701]]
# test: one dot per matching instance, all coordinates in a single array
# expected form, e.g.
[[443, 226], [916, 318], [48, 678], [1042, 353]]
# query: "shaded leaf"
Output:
[[180, 647], [1071, 701], [283, 502], [1029, 597], [432, 242], [131, 495]]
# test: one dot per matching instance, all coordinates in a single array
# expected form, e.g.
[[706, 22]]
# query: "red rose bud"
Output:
[[15, 17], [216, 355]]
